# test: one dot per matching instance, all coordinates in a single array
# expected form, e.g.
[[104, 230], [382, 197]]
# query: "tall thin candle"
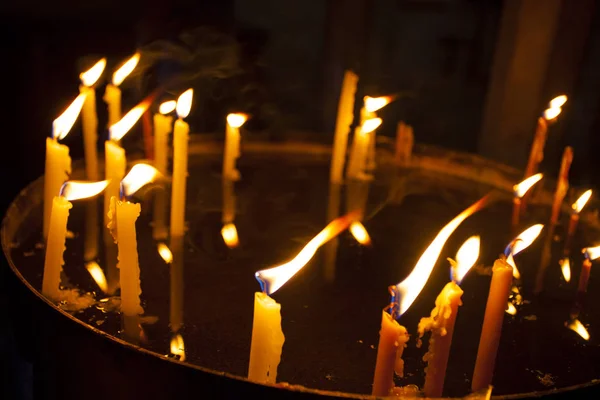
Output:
[[232, 145], [345, 115], [112, 95]]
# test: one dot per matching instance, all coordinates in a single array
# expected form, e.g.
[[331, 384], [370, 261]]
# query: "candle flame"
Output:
[[521, 188], [592, 252], [126, 69], [552, 112], [63, 124], [358, 230], [236, 120], [165, 253], [526, 238], [582, 201], [98, 275], [184, 103], [118, 130], [139, 176], [167, 107], [373, 104], [178, 347], [511, 309], [466, 257], [370, 125], [577, 327], [511, 261], [91, 76], [77, 190], [565, 267], [230, 235], [409, 288], [558, 101], [274, 278]]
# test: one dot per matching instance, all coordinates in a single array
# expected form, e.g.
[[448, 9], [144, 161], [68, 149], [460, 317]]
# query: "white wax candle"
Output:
[[112, 98], [232, 146], [342, 126], [58, 168], [178, 187], [55, 247], [115, 163], [90, 132]]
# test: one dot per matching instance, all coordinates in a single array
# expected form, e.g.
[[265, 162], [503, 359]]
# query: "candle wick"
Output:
[[394, 306], [61, 192], [122, 194]]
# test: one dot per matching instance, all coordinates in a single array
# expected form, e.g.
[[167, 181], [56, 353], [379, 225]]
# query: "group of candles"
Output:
[[267, 340]]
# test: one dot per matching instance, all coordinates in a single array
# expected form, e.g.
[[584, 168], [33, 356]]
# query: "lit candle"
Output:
[[229, 231], [443, 317], [180, 161], [58, 162], [360, 143], [232, 145], [371, 105], [122, 217], [590, 254], [562, 185], [392, 337], [345, 115], [57, 237], [357, 192], [112, 95], [519, 191], [90, 118], [163, 126], [267, 336], [502, 277], [404, 144], [577, 207]]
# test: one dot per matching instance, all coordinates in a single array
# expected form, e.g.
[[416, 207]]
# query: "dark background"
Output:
[[450, 61]]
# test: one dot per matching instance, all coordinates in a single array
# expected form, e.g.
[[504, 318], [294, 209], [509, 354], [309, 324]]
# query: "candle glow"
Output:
[[581, 201], [274, 278], [63, 124], [466, 257], [358, 230], [167, 107], [139, 176], [184, 103], [521, 188], [236, 120], [370, 125], [118, 130], [77, 190], [565, 267], [230, 235], [592, 252], [373, 104], [520, 243], [91, 76], [98, 275], [577, 327], [126, 69], [165, 253], [558, 101], [178, 347], [511, 309], [552, 112]]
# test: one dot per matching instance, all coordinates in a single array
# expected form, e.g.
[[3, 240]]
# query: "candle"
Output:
[[590, 254], [404, 144], [163, 126], [90, 118], [577, 207], [371, 105], [112, 95], [177, 284], [392, 341], [267, 336], [443, 317], [232, 145], [122, 217], [502, 279], [357, 195], [57, 237], [403, 295], [562, 185], [519, 191], [360, 142], [180, 160], [345, 115], [229, 231], [58, 162]]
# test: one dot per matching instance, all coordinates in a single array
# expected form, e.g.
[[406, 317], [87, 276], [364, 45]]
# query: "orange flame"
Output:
[[577, 327], [582, 201], [274, 278], [466, 257], [511, 261], [165, 253], [230, 235], [178, 347], [91, 76], [520, 243], [592, 252], [98, 275], [77, 190], [373, 104], [184, 103], [565, 267], [358, 230], [63, 124], [410, 287], [126, 69], [167, 107], [235, 120], [521, 188], [370, 125], [511, 309], [118, 130], [552, 113], [558, 101], [139, 176]]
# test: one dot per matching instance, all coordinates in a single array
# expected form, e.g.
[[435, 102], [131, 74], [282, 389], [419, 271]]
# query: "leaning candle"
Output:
[[55, 246], [403, 295], [345, 115], [519, 191], [576, 207], [267, 336], [371, 105], [58, 162], [112, 95], [232, 145], [590, 254], [180, 161], [562, 185], [360, 143], [90, 118], [441, 321], [122, 217]]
